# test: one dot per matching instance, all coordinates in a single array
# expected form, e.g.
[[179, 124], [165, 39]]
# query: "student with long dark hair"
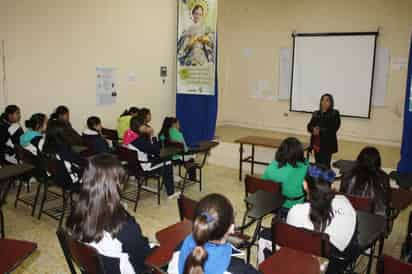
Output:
[[123, 124], [92, 136], [206, 250], [10, 132], [57, 145], [329, 213], [367, 179], [323, 127], [148, 153], [33, 139], [100, 220], [289, 169], [62, 114]]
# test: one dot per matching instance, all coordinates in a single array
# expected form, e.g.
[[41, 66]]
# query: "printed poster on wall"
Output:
[[196, 47], [106, 86]]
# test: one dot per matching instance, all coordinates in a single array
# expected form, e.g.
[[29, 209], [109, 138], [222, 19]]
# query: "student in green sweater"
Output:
[[170, 134], [289, 169]]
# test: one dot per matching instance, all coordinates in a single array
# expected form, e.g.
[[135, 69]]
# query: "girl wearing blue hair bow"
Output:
[[206, 250]]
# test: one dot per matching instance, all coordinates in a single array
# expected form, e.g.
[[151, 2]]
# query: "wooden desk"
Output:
[[169, 238], [255, 141], [400, 198], [13, 253], [7, 173], [290, 261]]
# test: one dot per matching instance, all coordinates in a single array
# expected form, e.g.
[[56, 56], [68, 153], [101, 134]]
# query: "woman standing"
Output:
[[323, 126]]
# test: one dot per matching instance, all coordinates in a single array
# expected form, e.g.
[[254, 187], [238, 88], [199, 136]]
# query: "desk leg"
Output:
[[252, 167], [240, 161]]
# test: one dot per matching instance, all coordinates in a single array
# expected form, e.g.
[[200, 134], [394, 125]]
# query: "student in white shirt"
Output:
[[329, 213]]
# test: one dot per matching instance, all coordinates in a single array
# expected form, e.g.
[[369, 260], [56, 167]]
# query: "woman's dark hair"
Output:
[[196, 8], [367, 172], [98, 208], [60, 111], [290, 152], [36, 121], [135, 123], [214, 216], [55, 136], [168, 122], [320, 199], [130, 111], [9, 110], [92, 122], [331, 100], [144, 112]]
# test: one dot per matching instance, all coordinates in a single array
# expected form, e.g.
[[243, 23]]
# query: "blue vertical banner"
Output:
[[197, 84], [405, 164]]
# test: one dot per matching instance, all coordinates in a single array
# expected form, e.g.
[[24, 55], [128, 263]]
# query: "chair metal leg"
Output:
[[2, 224], [139, 188], [200, 180], [45, 191], [36, 198], [159, 188], [18, 193]]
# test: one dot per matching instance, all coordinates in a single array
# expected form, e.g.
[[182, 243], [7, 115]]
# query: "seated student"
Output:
[[123, 124], [206, 250], [148, 153], [169, 134], [146, 115], [93, 135], [10, 132], [57, 145], [289, 169], [33, 139], [329, 213], [62, 114], [100, 220], [367, 179]]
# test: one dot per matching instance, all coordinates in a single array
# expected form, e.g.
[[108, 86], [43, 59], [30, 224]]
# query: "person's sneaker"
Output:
[[174, 195]]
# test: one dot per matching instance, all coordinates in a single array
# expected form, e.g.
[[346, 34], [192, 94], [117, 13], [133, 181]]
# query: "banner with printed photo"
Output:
[[196, 47]]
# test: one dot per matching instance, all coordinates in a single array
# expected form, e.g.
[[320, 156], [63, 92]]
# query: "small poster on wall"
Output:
[[196, 47], [106, 86]]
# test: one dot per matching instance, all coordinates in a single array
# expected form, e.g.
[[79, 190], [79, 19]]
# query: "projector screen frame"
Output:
[[294, 35]]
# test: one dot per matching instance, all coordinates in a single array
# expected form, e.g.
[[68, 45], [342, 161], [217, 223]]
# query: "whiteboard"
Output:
[[340, 64]]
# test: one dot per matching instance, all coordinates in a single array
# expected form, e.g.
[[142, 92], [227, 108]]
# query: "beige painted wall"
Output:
[[53, 48], [266, 26]]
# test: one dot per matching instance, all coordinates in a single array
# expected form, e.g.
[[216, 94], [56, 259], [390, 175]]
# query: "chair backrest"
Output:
[[308, 241], [186, 208], [130, 157], [360, 203], [110, 134], [253, 184], [85, 257], [389, 265]]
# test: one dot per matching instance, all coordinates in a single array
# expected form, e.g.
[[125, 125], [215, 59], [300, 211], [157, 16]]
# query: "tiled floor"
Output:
[[49, 258]]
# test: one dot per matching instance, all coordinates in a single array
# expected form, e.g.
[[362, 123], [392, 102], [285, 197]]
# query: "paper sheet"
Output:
[[106, 86]]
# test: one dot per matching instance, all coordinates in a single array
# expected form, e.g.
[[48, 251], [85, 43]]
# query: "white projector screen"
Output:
[[337, 63]]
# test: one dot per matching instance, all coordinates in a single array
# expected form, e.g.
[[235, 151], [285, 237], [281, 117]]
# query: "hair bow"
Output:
[[209, 218]]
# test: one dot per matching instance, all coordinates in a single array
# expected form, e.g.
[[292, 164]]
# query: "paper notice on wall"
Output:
[[106, 86]]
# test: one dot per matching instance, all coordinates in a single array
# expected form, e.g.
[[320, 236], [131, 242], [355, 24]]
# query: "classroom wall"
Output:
[[265, 27], [53, 48]]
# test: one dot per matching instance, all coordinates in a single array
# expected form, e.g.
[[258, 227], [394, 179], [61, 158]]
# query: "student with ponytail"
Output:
[[10, 132], [33, 139], [62, 114], [206, 250], [329, 213]]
